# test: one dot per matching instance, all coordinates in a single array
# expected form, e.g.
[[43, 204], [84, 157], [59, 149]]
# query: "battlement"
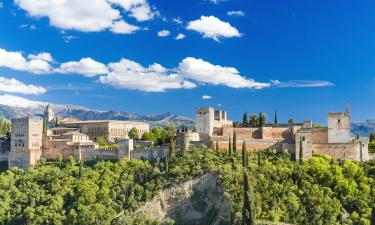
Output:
[[203, 109]]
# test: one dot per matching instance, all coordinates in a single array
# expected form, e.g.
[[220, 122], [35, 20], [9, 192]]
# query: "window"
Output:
[[339, 121], [303, 138]]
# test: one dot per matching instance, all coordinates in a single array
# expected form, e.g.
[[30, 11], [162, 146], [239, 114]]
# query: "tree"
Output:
[[248, 209], [372, 219], [133, 134], [372, 137], [275, 119], [259, 158], [253, 120], [230, 146], [300, 152], [101, 141], [245, 122], [217, 145], [291, 121], [59, 159], [166, 164], [234, 142], [244, 155], [148, 136]]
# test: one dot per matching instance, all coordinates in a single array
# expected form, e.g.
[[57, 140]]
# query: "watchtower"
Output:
[[339, 129]]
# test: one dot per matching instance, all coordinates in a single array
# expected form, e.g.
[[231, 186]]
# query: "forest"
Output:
[[320, 191]]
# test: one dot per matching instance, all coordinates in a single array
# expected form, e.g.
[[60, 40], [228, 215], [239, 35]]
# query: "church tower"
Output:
[[49, 114]]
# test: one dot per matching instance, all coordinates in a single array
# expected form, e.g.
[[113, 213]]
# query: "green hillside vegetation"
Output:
[[320, 191]]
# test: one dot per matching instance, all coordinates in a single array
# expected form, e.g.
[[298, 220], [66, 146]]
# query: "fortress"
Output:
[[300, 140]]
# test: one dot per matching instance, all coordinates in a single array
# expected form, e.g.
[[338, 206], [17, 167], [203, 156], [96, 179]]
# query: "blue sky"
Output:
[[303, 58]]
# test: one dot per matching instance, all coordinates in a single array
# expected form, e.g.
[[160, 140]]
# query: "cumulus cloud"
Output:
[[15, 86], [86, 67], [236, 13], [128, 74], [302, 83], [212, 27], [178, 20], [180, 36], [89, 15], [206, 97], [205, 72], [38, 64], [122, 27], [164, 33]]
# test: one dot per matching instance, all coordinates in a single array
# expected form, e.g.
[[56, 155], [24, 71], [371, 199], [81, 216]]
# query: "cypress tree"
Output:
[[260, 118], [373, 214], [245, 120], [244, 155], [166, 164], [234, 142], [372, 137], [275, 120], [217, 145], [248, 209], [230, 147], [300, 152]]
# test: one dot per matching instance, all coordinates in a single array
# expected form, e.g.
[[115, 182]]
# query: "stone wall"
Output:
[[4, 156], [341, 151], [319, 135]]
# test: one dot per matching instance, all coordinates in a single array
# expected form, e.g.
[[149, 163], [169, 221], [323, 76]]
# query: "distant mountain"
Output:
[[363, 128], [13, 106]]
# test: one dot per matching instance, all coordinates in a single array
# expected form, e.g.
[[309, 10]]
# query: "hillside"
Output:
[[321, 191], [12, 106]]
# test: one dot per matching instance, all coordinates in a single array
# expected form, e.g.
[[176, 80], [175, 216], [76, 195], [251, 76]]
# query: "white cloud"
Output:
[[164, 33], [236, 13], [217, 1], [206, 97], [205, 72], [139, 9], [178, 20], [302, 83], [122, 27], [128, 74], [180, 36], [89, 15], [38, 64], [86, 67], [15, 86], [212, 27]]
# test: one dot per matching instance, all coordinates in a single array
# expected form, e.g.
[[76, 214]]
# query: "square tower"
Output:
[[26, 142], [339, 130], [205, 120]]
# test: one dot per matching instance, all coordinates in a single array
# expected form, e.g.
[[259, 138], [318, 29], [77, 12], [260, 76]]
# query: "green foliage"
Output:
[[4, 127], [248, 208], [371, 147], [161, 136], [372, 137], [320, 191], [245, 120], [102, 141], [254, 120], [316, 125], [133, 134]]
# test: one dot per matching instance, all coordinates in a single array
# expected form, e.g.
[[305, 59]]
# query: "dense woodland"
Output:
[[320, 191]]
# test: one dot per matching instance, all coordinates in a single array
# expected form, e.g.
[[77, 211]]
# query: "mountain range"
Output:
[[13, 106]]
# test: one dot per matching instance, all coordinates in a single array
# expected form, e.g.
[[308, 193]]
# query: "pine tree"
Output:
[[248, 209], [244, 155], [245, 120], [234, 142], [275, 120]]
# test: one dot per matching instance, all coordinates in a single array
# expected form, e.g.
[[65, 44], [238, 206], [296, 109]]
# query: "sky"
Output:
[[301, 58]]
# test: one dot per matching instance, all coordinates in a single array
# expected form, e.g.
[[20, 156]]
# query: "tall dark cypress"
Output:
[[248, 209], [276, 119], [300, 152], [373, 214], [260, 118], [245, 120], [230, 147], [244, 155], [217, 145], [167, 164], [234, 142]]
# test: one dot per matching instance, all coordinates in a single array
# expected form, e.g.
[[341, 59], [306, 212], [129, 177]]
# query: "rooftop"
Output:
[[105, 121]]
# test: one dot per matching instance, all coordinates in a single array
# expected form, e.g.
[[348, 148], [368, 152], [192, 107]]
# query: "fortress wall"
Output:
[[277, 132], [4, 156], [319, 135], [341, 151], [252, 144]]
